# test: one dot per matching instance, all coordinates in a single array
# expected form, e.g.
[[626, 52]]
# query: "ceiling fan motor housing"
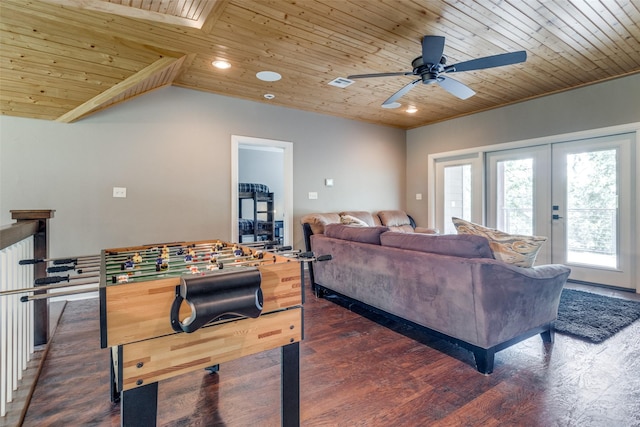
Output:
[[427, 72]]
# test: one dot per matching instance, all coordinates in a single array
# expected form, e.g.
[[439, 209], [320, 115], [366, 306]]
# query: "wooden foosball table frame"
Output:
[[145, 349]]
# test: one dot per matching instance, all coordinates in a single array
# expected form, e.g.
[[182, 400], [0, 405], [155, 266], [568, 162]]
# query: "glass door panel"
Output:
[[457, 194], [458, 191], [515, 196], [593, 209], [518, 193]]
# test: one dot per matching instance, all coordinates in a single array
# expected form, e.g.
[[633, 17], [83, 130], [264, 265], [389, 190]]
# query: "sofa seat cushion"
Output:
[[515, 249], [459, 245], [317, 221], [363, 216], [355, 233]]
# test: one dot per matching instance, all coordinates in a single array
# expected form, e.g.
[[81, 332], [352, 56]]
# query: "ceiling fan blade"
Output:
[[489, 62], [455, 88], [364, 76], [432, 48], [399, 94]]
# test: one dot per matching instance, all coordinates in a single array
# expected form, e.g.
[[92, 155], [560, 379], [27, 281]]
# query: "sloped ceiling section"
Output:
[[65, 59]]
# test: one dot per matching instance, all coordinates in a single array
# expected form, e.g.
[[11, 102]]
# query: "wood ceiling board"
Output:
[[120, 90], [310, 42], [189, 13]]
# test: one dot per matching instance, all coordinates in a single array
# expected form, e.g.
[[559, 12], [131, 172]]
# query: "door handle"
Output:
[[555, 216]]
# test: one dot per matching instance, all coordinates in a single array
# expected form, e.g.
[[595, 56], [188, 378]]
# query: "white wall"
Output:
[[171, 149], [602, 105]]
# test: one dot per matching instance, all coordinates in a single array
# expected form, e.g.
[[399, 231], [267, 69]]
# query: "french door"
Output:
[[579, 194]]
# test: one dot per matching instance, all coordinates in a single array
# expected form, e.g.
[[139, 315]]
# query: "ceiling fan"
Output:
[[431, 67]]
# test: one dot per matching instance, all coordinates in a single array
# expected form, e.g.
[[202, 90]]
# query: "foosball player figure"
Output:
[[219, 246], [237, 251], [137, 259], [162, 264], [190, 256], [128, 264]]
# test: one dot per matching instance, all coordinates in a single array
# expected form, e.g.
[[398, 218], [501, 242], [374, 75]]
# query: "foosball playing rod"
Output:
[[27, 298], [63, 268], [181, 272], [150, 266], [61, 261], [146, 259], [57, 279], [158, 248], [45, 288]]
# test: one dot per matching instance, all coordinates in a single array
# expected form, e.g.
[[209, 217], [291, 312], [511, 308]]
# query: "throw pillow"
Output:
[[352, 220], [513, 249]]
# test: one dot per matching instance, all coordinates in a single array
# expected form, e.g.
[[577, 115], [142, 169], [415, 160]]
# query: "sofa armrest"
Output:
[[511, 300]]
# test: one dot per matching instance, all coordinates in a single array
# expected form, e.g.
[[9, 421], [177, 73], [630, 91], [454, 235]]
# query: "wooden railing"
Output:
[[23, 326]]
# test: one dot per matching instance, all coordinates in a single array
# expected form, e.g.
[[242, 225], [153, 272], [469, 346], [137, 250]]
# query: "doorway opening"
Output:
[[268, 163]]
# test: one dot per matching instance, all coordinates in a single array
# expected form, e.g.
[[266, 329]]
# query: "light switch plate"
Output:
[[120, 192], [313, 195]]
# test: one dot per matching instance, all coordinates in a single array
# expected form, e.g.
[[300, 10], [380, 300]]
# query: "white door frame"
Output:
[[287, 147]]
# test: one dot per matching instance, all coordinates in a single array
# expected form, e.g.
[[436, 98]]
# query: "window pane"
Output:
[[515, 196], [457, 195], [592, 211]]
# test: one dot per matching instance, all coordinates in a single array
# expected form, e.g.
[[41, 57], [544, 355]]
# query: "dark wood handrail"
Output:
[[14, 233]]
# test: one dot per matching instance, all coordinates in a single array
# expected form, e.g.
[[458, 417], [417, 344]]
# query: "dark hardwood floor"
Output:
[[356, 372]]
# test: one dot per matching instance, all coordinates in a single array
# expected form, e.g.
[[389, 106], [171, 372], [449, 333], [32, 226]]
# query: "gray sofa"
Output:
[[449, 284]]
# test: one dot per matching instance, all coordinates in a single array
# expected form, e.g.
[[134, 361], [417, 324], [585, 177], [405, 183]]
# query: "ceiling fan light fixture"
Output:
[[391, 105], [220, 64], [268, 76]]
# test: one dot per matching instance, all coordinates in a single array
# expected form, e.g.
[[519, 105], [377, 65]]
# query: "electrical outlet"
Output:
[[418, 196], [313, 195], [120, 192]]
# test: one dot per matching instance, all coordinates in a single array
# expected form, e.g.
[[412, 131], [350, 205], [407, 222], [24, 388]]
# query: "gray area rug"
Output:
[[594, 317]]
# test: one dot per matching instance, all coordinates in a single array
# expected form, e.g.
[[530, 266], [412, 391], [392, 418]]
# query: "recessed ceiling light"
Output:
[[391, 105], [223, 65], [269, 95], [268, 76], [411, 110]]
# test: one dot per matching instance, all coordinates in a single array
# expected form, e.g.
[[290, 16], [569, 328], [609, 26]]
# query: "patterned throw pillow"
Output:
[[352, 220], [510, 248]]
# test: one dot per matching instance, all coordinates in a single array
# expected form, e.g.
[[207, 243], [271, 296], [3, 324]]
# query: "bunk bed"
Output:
[[257, 222]]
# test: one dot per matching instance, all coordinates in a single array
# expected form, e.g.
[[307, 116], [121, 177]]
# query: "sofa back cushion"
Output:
[[460, 245], [355, 233], [317, 221], [396, 220], [364, 216]]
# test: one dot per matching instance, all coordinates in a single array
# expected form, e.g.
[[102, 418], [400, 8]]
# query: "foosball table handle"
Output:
[[217, 295]]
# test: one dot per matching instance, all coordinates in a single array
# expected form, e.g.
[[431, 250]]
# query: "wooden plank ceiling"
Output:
[[65, 59]]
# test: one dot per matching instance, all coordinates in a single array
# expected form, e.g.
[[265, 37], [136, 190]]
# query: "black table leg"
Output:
[[290, 386], [139, 406]]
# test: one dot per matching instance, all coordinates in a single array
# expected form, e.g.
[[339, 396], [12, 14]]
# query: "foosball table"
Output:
[[169, 309]]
